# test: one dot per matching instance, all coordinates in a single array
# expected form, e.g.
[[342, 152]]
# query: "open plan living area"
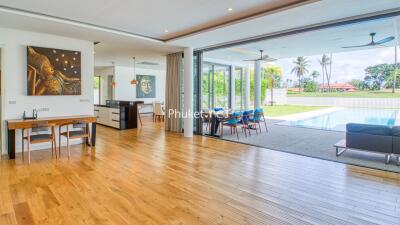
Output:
[[199, 112]]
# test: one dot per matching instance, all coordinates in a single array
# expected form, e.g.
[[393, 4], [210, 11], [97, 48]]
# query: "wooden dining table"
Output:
[[15, 124]]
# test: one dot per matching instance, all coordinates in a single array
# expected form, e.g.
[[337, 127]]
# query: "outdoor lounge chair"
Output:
[[373, 138]]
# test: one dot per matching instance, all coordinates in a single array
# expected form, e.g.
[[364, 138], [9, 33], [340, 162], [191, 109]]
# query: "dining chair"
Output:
[[159, 113], [139, 107], [247, 122], [206, 118], [41, 132], [80, 130], [259, 117], [233, 121]]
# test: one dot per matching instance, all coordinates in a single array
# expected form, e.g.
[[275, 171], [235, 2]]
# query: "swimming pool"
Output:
[[337, 120]]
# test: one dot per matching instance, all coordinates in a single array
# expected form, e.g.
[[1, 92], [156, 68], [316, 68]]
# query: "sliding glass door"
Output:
[[215, 86], [239, 85]]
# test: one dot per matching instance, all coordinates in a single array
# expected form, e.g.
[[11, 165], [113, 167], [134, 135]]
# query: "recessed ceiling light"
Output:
[[166, 30], [230, 9]]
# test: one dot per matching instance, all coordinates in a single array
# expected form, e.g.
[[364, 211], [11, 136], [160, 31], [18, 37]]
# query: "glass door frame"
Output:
[[198, 75], [211, 88]]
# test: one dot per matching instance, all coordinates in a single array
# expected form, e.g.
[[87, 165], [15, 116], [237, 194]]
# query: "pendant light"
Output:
[[113, 79], [134, 81]]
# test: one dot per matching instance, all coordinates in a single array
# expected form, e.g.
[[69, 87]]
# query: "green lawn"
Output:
[[283, 110], [355, 94]]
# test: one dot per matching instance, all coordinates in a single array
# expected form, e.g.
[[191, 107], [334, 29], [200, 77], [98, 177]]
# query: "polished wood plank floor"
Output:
[[147, 176]]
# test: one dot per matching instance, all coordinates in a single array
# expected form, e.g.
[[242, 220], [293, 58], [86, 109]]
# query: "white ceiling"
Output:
[[311, 43], [151, 17], [305, 15], [125, 18]]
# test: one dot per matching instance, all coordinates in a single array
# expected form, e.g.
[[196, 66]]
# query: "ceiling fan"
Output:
[[265, 58], [373, 42]]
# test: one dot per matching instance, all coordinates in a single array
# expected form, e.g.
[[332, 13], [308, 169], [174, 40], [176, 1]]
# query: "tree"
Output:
[[376, 75], [359, 84], [315, 74], [392, 79], [273, 75], [309, 85], [300, 68], [324, 62]]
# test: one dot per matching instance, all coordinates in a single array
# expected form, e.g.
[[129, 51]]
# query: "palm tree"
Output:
[[324, 62], [272, 74], [300, 68], [315, 74]]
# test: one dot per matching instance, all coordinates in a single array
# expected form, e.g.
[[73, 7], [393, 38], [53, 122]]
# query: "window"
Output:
[[96, 89]]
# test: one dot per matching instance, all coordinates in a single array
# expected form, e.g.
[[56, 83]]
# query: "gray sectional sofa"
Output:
[[374, 138]]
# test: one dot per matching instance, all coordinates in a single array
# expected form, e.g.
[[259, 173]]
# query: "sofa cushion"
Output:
[[369, 129], [396, 131]]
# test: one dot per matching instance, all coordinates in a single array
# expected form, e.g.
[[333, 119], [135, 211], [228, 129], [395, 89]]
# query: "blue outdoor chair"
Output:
[[233, 121], [258, 118], [218, 109], [247, 122]]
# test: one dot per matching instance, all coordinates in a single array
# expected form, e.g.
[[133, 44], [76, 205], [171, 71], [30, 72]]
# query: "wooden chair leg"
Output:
[[68, 148], [89, 139], [140, 119], [23, 143], [237, 134], [59, 142], [29, 147], [53, 136], [266, 127], [52, 147]]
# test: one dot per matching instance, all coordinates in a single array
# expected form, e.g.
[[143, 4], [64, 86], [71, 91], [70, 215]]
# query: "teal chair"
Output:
[[233, 121], [247, 122], [259, 117]]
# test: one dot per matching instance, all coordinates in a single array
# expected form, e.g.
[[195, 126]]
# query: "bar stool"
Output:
[[39, 137], [82, 132]]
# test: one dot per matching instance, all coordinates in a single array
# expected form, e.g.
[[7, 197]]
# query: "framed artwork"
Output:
[[53, 71], [146, 86]]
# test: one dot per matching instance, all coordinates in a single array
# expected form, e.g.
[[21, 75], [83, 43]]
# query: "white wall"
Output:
[[124, 90], [14, 81]]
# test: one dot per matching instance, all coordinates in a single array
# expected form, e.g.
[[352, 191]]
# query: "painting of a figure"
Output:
[[146, 87], [53, 71]]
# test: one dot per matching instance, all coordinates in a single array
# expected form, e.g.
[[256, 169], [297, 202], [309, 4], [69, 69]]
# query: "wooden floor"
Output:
[[147, 176]]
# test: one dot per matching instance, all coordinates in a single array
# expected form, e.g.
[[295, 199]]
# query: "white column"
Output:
[[246, 88], [232, 87], [257, 84], [188, 92]]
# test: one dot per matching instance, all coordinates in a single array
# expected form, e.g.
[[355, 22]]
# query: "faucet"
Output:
[[35, 113]]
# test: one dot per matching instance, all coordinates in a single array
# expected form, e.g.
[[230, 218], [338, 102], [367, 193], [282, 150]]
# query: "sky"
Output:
[[346, 65]]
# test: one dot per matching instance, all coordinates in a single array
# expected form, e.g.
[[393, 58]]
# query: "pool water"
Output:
[[337, 120]]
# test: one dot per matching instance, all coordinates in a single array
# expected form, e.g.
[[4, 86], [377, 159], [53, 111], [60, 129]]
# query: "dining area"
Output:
[[52, 131], [218, 121]]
